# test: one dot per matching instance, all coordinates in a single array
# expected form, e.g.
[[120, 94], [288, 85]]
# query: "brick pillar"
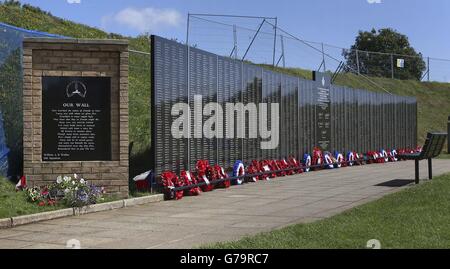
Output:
[[76, 59]]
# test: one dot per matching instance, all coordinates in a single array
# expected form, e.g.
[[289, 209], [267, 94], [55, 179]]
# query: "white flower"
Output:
[[73, 182], [59, 179], [66, 191], [76, 188], [82, 181], [66, 179], [75, 176]]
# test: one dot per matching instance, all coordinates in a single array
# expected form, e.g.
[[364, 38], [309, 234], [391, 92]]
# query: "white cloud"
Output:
[[143, 20], [74, 1]]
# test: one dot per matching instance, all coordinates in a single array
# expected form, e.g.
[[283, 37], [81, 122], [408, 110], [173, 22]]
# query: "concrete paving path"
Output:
[[221, 215]]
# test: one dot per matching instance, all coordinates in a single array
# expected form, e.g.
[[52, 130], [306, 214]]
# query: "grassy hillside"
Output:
[[433, 98], [32, 18]]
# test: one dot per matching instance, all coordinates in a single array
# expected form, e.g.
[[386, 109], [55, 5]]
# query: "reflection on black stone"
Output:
[[312, 113]]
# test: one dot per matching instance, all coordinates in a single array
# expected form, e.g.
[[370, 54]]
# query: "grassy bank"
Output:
[[14, 203], [413, 218]]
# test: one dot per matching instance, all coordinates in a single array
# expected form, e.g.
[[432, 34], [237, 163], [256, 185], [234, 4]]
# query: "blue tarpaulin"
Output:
[[11, 83], [27, 32], [4, 150]]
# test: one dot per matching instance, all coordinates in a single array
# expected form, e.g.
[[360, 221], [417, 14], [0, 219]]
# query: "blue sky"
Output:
[[331, 21]]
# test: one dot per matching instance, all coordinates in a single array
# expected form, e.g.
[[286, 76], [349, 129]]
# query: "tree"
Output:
[[12, 3], [389, 42]]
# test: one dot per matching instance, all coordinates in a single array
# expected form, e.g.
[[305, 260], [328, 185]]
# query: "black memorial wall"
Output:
[[312, 112]]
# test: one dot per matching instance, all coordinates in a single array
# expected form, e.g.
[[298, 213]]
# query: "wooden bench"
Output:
[[432, 148]]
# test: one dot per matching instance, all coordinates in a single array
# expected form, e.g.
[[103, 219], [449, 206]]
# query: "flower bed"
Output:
[[69, 191]]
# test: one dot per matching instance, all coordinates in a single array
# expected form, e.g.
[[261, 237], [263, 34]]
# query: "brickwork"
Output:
[[85, 58]]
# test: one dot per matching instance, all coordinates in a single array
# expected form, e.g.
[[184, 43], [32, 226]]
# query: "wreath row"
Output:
[[207, 177]]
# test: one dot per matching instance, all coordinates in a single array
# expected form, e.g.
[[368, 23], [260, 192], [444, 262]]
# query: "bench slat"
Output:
[[433, 146]]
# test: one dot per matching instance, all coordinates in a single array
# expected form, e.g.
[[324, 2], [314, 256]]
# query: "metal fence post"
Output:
[[357, 62], [323, 59], [392, 66], [275, 41], [234, 51], [282, 51], [428, 64], [235, 42]]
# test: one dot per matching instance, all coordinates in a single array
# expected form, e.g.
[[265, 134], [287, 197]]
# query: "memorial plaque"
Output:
[[76, 118], [323, 110]]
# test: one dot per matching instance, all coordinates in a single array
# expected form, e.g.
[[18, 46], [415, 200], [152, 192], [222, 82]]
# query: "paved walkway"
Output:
[[221, 215]]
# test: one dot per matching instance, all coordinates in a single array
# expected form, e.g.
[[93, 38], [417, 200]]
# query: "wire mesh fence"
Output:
[[11, 82], [259, 41]]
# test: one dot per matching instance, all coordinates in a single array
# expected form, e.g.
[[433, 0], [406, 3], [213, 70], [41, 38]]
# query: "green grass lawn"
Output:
[[417, 217], [444, 156], [14, 203]]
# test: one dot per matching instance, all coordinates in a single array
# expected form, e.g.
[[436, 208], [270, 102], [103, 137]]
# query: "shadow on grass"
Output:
[[396, 183]]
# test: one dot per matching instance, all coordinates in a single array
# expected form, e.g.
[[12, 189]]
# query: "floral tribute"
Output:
[[203, 169], [207, 177], [66, 190], [317, 159], [171, 181], [307, 161], [265, 167], [220, 174], [253, 169], [281, 165], [295, 164], [273, 167], [238, 171], [190, 180], [351, 158], [328, 160], [340, 160], [285, 165]]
